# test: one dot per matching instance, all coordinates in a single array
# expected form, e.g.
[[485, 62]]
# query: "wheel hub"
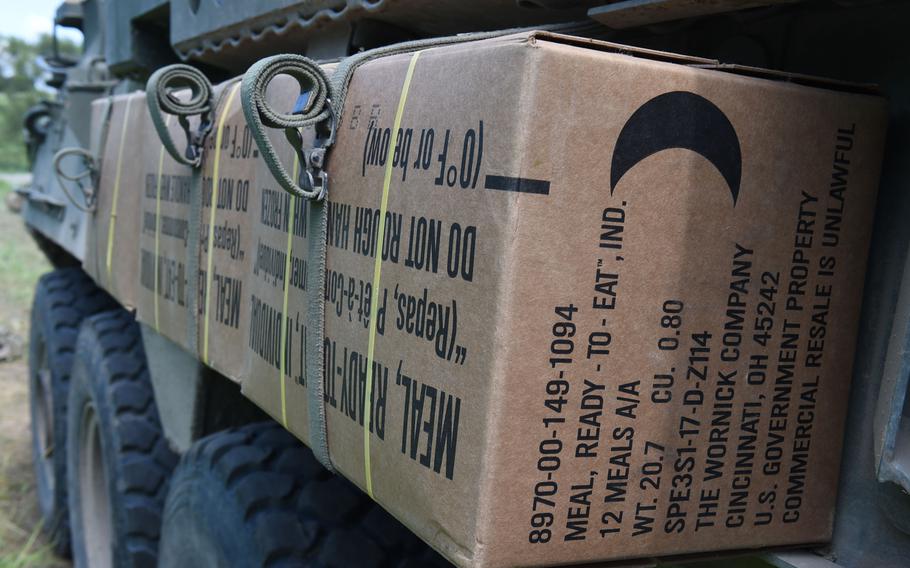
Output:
[[96, 509]]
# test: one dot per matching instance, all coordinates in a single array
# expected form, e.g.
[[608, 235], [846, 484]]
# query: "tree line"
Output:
[[22, 86]]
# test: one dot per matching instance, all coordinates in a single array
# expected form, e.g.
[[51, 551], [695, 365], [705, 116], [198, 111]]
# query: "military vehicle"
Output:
[[146, 455]]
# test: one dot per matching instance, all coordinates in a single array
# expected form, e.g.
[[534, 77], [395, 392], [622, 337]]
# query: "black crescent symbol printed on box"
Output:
[[679, 119]]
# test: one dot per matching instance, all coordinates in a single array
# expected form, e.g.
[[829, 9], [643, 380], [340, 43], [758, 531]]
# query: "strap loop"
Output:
[[161, 97], [85, 179], [313, 109]]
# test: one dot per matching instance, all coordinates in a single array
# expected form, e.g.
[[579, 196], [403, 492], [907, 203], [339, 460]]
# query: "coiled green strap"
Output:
[[161, 99], [313, 109]]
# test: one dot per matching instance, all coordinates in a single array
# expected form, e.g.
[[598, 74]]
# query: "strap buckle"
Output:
[[316, 176], [313, 177], [195, 141]]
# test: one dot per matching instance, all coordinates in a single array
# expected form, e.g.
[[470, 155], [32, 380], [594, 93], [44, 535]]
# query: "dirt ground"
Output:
[[21, 263]]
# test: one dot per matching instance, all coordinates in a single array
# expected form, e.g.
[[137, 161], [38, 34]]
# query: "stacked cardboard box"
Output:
[[618, 296]]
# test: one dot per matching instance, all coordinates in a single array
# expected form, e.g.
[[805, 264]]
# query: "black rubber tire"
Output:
[[63, 298], [256, 497], [112, 408]]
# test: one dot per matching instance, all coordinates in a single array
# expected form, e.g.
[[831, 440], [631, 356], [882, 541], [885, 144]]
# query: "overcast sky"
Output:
[[30, 18]]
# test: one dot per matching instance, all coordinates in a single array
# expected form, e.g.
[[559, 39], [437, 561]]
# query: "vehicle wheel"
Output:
[[255, 496], [118, 461], [63, 298]]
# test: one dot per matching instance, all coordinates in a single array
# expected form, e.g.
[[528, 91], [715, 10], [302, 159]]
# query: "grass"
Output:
[[20, 548], [22, 544], [21, 263]]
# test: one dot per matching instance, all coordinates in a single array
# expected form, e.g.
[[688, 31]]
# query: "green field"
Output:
[[21, 263]]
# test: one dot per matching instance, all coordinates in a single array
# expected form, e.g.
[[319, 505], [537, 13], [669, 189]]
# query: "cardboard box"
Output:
[[122, 125], [618, 298]]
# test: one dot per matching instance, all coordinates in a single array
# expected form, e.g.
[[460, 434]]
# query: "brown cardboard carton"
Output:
[[111, 250], [617, 305]]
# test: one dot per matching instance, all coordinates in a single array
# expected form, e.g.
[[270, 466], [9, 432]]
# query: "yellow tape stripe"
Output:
[[113, 221], [377, 272], [292, 204], [212, 207], [167, 122]]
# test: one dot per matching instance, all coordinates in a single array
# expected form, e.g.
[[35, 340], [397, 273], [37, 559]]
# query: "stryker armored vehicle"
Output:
[[158, 441]]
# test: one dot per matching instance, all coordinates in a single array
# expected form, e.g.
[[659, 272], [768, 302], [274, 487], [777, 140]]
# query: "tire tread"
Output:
[[63, 299], [298, 513], [141, 457]]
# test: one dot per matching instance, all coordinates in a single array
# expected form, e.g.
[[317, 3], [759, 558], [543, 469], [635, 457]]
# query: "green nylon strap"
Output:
[[192, 262], [314, 111], [161, 99], [343, 74], [323, 109], [99, 143], [99, 163], [315, 340]]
